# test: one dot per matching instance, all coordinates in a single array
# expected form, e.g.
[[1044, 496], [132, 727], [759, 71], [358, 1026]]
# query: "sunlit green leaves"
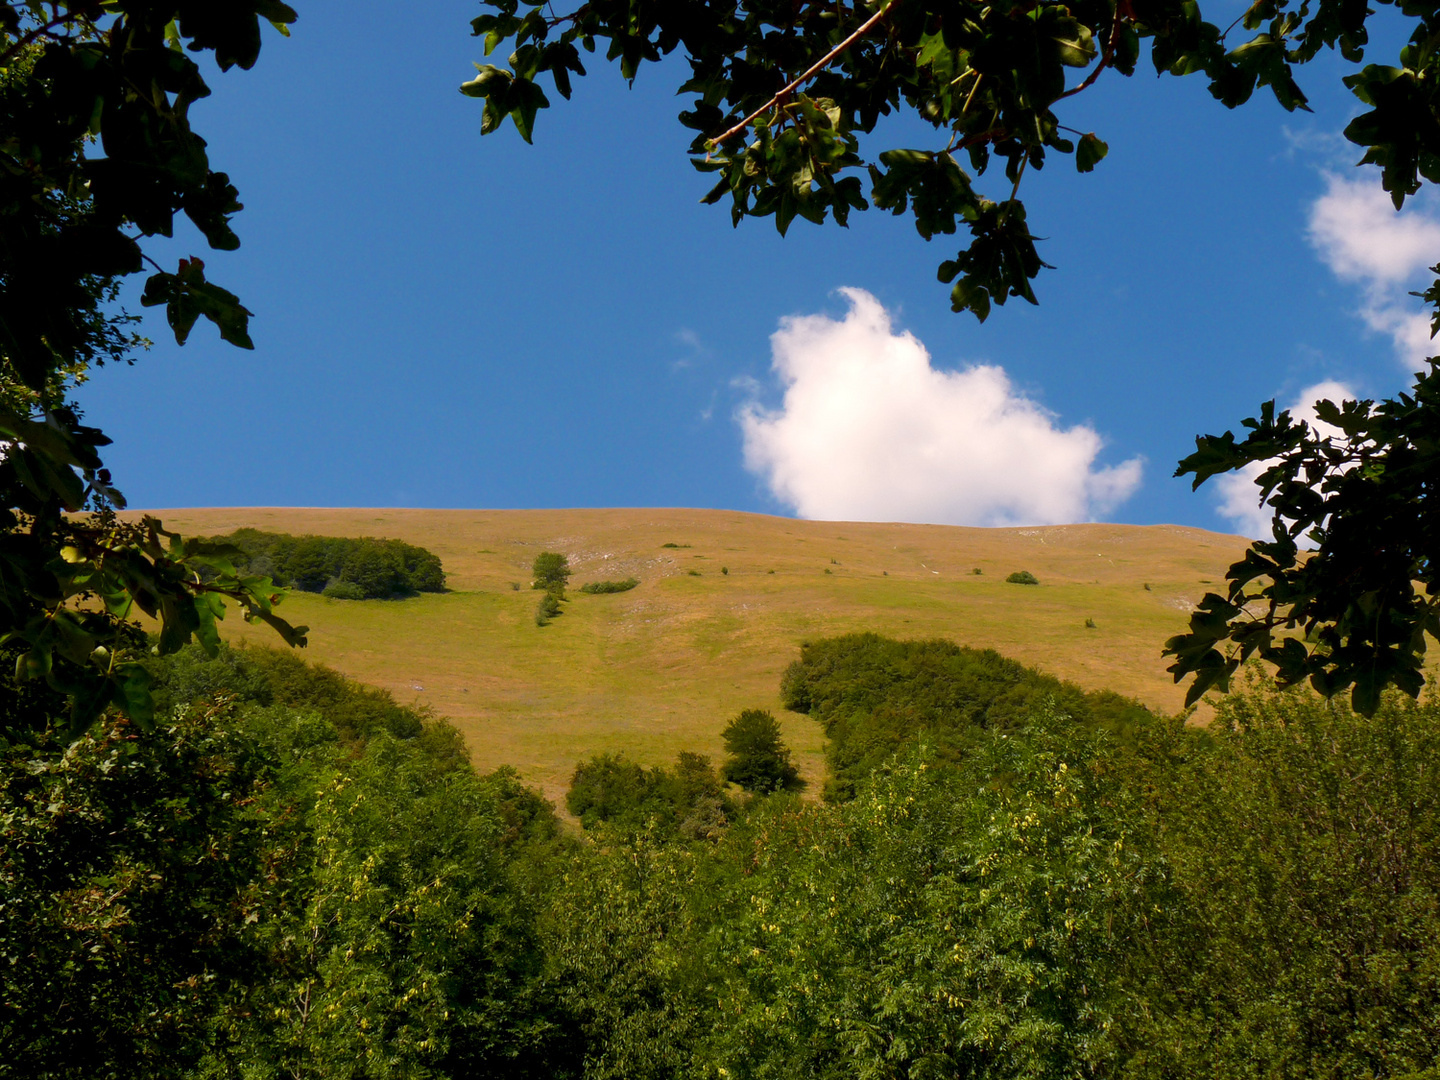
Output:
[[509, 94], [792, 167]]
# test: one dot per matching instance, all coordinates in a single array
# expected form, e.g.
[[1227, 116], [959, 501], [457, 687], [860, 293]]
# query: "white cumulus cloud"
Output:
[[869, 431], [1240, 498], [1359, 235]]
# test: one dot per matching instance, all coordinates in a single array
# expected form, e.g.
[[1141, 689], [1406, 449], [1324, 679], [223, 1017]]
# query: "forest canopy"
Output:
[[297, 875]]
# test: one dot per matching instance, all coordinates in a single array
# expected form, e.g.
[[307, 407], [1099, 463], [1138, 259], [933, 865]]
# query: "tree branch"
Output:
[[38, 32], [815, 69], [1109, 55]]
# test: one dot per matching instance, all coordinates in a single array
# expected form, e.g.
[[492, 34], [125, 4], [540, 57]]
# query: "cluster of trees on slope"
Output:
[[341, 567], [296, 876], [874, 695]]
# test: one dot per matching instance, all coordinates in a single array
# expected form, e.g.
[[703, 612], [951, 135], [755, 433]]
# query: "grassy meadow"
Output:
[[663, 667]]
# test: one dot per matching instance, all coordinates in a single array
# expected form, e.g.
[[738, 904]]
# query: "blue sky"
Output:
[[443, 320]]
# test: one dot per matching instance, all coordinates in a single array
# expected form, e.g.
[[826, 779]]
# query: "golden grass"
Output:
[[664, 667]]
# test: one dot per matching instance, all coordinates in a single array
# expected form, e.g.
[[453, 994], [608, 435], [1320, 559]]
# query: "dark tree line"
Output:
[[345, 568]]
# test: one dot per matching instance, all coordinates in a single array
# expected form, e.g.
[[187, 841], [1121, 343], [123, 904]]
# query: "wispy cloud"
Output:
[[1240, 498], [695, 347], [868, 430], [1358, 234]]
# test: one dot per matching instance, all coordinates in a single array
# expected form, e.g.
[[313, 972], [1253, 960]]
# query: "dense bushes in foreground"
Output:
[[343, 568], [295, 876], [1260, 900]]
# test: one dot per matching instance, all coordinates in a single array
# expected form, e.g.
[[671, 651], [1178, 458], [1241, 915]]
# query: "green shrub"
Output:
[[343, 590], [674, 545], [595, 588], [693, 573], [1023, 577], [725, 570], [551, 570], [1089, 624], [758, 760], [547, 609], [689, 802]]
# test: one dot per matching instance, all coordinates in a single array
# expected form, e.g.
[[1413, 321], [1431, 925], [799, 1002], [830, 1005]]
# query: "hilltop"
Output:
[[662, 668]]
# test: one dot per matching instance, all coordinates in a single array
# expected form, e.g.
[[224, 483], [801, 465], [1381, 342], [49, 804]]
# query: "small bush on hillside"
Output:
[[758, 761], [595, 588], [547, 609], [693, 573], [725, 570], [674, 545], [343, 590], [1089, 624], [552, 572], [977, 571], [1023, 577]]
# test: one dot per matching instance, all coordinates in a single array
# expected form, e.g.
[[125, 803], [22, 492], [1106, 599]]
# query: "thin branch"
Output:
[[1105, 60], [38, 32], [1024, 160], [1238, 20], [815, 69], [989, 135], [971, 96]]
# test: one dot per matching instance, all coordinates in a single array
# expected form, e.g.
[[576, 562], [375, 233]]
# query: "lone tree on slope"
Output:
[[552, 572], [758, 761]]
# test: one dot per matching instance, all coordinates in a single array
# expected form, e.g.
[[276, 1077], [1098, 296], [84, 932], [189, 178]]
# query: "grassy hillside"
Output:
[[663, 667]]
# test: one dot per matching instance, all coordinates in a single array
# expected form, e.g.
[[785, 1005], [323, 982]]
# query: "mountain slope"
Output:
[[663, 667]]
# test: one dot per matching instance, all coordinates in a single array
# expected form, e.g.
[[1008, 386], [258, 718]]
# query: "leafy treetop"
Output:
[[97, 154], [552, 571], [782, 91]]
